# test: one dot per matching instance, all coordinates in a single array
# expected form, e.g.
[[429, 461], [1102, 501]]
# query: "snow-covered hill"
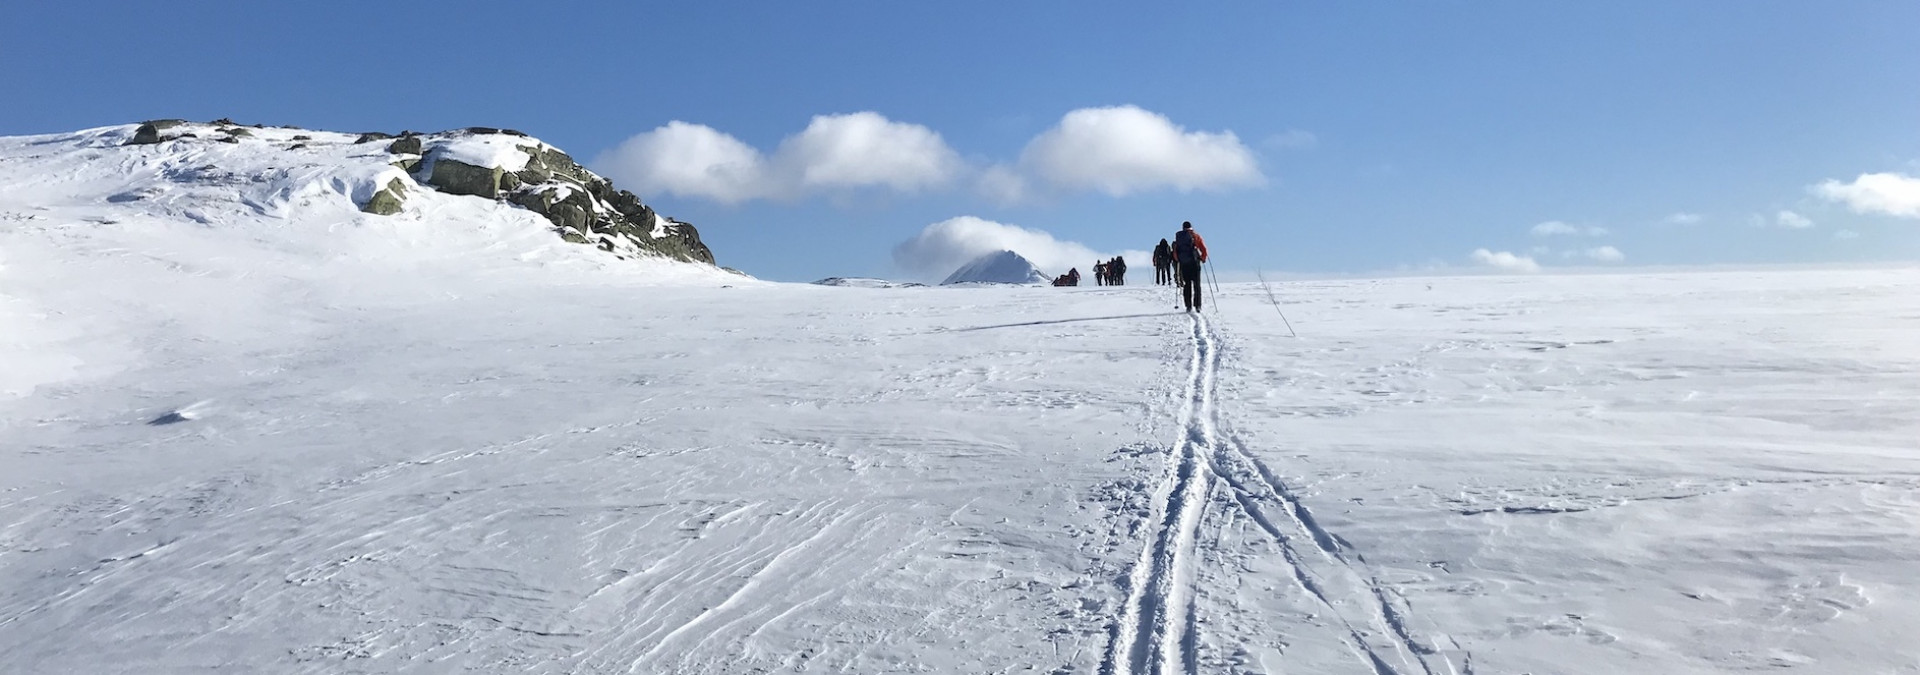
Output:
[[999, 267], [304, 183]]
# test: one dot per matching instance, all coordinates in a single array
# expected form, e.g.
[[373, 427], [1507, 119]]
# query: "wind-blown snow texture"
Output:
[[339, 443], [1000, 267]]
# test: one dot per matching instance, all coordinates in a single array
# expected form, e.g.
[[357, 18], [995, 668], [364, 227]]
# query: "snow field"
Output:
[[615, 478], [244, 427]]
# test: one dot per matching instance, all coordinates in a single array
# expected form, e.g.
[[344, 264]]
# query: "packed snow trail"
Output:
[[1155, 634], [1152, 635]]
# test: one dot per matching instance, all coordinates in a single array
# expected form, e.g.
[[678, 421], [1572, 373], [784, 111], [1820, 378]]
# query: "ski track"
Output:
[[1157, 632]]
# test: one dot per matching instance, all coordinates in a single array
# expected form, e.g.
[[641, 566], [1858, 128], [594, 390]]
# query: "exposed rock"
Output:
[[372, 136], [461, 178], [296, 146], [408, 145], [238, 132], [583, 207], [303, 137], [227, 139], [387, 201], [150, 132]]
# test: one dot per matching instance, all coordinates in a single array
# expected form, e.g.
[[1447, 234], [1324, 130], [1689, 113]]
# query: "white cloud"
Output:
[[1123, 150], [943, 247], [834, 152], [1888, 193], [1792, 221], [865, 149], [1505, 261], [1554, 228], [1118, 150], [687, 160], [1846, 234], [1683, 218], [1605, 254], [1292, 139]]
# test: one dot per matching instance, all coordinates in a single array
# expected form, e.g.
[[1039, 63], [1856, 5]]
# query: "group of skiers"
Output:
[[1110, 273], [1177, 262]]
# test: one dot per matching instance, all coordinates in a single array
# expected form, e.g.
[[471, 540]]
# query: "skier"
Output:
[[1189, 253], [1163, 263]]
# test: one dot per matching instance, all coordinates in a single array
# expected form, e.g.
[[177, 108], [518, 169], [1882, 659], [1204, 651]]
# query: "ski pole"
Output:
[[1179, 287], [1213, 291], [1275, 303]]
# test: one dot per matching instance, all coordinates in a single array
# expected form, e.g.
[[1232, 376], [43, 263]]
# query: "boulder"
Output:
[[238, 132], [387, 200], [460, 178], [405, 145], [569, 216], [372, 136], [149, 132]]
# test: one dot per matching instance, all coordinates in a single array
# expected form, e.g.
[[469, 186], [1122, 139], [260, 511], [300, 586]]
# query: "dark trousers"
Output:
[[1189, 285]]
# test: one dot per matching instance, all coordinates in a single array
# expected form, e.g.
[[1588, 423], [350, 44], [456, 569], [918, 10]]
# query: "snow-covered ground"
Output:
[[259, 442]]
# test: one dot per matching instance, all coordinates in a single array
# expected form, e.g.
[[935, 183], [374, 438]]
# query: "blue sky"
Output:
[[890, 139]]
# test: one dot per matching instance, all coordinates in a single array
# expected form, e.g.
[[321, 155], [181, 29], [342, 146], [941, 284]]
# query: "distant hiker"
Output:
[[1117, 270], [1073, 276], [1163, 263], [1189, 253], [1099, 273]]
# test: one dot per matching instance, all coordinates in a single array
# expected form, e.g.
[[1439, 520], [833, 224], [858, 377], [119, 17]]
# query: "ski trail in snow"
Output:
[[1153, 634], [1326, 573], [771, 569]]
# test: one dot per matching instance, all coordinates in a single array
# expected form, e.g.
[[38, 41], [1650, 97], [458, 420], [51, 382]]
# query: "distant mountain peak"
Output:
[[999, 267]]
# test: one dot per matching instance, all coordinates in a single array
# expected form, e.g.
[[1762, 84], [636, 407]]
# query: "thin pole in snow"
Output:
[[1276, 303], [1213, 289]]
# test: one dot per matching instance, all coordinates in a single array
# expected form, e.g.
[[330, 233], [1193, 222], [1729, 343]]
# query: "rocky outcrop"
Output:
[[583, 206], [498, 164]]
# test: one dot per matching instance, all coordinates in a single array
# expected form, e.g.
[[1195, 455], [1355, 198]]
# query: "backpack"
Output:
[[1183, 247]]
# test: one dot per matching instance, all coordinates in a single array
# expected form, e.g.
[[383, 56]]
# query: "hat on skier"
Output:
[[1185, 225]]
